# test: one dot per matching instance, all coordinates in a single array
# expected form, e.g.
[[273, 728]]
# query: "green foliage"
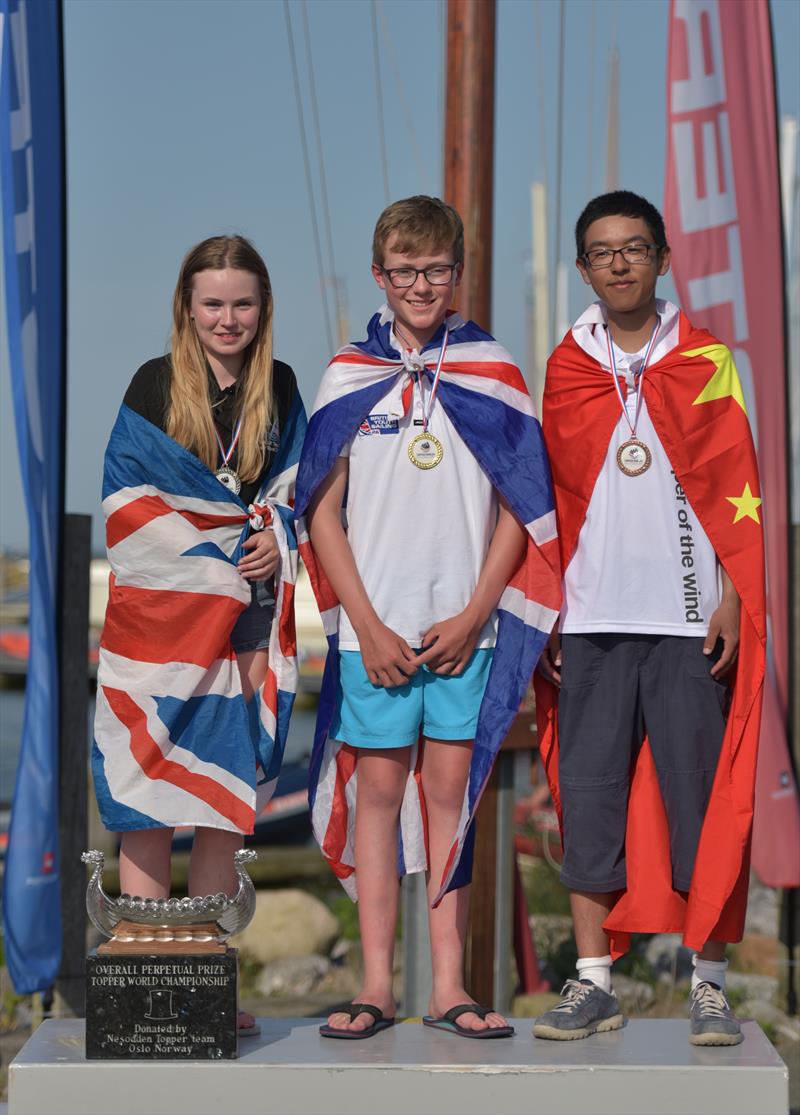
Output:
[[249, 971], [347, 914], [634, 963], [736, 996], [544, 893], [561, 962]]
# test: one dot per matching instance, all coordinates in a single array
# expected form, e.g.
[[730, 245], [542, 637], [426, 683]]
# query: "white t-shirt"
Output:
[[643, 563], [419, 536]]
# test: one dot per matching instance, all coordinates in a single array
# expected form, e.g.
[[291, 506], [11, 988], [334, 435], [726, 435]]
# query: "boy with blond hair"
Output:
[[437, 591]]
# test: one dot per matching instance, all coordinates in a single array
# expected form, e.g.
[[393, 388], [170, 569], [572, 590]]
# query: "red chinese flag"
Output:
[[722, 209]]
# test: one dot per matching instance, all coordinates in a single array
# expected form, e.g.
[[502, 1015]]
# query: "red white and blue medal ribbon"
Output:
[[425, 450], [633, 456], [227, 476]]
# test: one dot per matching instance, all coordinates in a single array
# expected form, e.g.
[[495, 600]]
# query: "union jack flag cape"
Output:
[[175, 742], [485, 397]]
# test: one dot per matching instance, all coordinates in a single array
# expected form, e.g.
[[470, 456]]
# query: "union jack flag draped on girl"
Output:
[[175, 743], [485, 397]]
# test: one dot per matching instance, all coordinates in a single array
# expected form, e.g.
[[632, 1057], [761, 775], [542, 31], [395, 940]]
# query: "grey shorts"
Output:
[[252, 628], [615, 688]]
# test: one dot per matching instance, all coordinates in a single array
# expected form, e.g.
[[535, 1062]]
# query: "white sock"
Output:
[[597, 969], [708, 971]]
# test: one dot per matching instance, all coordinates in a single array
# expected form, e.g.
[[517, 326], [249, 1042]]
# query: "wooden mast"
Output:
[[468, 185], [469, 145]]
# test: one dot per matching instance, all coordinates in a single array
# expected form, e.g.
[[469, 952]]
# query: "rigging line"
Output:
[[590, 106], [379, 97], [409, 118], [559, 160], [323, 182], [309, 184], [540, 96]]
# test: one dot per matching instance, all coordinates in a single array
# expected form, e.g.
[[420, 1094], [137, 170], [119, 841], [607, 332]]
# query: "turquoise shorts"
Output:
[[443, 707]]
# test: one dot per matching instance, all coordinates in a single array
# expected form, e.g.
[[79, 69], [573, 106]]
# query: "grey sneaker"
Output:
[[583, 1010], [712, 1020]]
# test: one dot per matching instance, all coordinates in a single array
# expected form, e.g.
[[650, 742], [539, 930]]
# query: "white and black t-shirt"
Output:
[[643, 563], [419, 537]]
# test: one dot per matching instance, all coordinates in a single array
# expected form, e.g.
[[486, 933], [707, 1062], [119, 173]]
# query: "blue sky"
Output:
[[182, 123]]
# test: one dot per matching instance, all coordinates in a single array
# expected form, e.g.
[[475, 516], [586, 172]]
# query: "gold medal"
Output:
[[633, 457], [425, 450]]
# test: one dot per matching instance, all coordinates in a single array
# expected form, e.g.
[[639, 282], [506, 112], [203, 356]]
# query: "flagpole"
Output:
[[468, 185]]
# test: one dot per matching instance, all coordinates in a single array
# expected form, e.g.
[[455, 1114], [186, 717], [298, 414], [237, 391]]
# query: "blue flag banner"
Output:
[[32, 161]]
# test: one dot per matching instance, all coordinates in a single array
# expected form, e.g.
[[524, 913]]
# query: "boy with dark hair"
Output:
[[648, 723], [425, 436]]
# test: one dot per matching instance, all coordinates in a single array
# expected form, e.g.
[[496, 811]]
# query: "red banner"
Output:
[[722, 210]]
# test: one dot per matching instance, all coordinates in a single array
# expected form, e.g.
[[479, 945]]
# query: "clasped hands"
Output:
[[446, 649], [262, 558]]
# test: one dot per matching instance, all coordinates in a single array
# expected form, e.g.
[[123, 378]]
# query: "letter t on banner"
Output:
[[32, 163]]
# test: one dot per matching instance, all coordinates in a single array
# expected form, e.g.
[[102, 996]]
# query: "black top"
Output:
[[148, 395]]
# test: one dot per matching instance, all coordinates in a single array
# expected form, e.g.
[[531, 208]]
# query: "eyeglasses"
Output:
[[438, 274], [599, 258]]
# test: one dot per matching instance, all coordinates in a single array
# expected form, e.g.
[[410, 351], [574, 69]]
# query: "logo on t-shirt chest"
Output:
[[379, 424]]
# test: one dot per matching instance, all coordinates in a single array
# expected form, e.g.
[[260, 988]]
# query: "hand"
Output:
[[263, 557], [447, 646], [550, 662], [388, 659], [724, 624]]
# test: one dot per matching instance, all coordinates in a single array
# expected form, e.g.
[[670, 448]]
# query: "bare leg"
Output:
[[589, 911], [144, 862], [713, 950], [382, 776], [211, 869], [252, 670], [211, 866], [445, 768]]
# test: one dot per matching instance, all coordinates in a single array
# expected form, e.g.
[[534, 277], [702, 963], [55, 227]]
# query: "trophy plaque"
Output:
[[164, 986]]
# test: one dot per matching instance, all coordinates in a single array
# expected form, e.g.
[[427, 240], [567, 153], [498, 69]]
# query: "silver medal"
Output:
[[229, 479]]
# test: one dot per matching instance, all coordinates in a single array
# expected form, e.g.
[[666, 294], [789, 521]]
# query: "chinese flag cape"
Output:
[[696, 404]]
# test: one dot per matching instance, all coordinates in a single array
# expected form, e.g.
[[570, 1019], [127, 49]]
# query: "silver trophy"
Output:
[[138, 925]]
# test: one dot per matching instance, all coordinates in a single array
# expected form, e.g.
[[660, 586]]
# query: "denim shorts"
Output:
[[443, 707], [252, 628]]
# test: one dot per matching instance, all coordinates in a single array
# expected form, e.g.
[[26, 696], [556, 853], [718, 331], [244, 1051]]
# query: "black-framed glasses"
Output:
[[599, 258], [437, 274]]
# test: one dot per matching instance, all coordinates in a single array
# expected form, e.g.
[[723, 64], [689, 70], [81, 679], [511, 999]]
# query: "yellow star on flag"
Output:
[[746, 505], [725, 380]]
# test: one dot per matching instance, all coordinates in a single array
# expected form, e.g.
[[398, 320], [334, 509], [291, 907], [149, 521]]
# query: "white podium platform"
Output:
[[647, 1067]]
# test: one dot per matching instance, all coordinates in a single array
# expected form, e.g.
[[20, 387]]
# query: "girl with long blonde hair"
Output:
[[232, 409]]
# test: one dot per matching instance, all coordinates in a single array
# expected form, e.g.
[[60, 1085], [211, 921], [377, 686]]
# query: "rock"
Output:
[[635, 996], [668, 957], [758, 954], [294, 976], [763, 909], [531, 1006], [772, 1018], [762, 989], [287, 923], [347, 955], [550, 931]]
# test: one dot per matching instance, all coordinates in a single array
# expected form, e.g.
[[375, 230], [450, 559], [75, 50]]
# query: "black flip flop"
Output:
[[354, 1010], [448, 1022]]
